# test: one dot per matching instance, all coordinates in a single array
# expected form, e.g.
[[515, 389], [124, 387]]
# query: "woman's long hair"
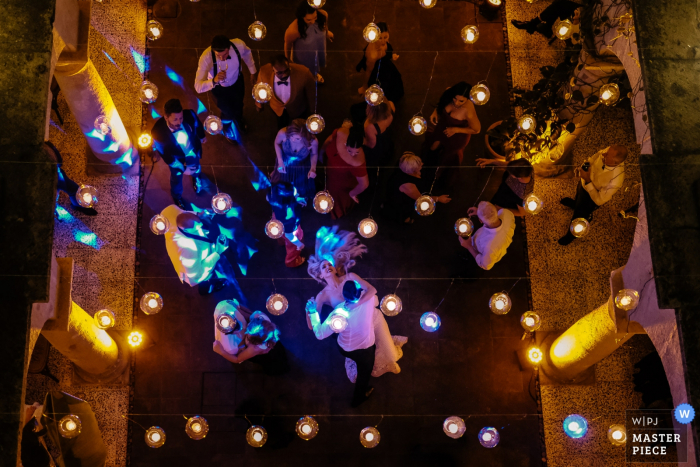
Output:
[[305, 9], [338, 247], [460, 89], [356, 125], [298, 127]]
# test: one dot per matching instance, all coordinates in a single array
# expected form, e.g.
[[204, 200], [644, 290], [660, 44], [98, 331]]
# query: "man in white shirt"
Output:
[[490, 242], [356, 341], [601, 176], [219, 71], [293, 89], [196, 251]]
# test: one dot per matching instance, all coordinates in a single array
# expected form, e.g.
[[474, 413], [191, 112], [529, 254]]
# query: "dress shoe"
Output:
[[529, 26], [568, 202], [86, 211], [180, 203], [357, 402], [566, 239], [545, 30], [197, 185]]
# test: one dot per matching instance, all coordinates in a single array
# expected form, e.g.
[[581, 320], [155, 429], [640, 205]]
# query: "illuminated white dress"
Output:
[[388, 350]]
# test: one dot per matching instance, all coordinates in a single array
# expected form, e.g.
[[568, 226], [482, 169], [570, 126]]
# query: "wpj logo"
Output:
[[656, 436]]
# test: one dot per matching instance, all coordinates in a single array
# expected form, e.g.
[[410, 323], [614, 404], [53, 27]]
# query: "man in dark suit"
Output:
[[178, 137], [293, 89]]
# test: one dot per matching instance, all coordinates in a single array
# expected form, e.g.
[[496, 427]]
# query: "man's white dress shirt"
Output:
[[193, 260], [282, 91], [604, 181], [359, 333], [493, 243], [203, 81]]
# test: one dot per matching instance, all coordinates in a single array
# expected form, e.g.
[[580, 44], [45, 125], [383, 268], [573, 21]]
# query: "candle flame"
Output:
[[372, 35], [424, 206], [214, 126], [480, 96], [369, 436], [258, 33], [262, 94]]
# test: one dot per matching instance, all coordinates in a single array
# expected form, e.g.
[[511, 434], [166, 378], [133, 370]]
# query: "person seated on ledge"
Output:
[[405, 187], [559, 9], [601, 176], [196, 250], [490, 242], [518, 182]]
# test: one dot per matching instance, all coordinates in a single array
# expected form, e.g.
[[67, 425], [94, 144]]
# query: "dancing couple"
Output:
[[366, 342]]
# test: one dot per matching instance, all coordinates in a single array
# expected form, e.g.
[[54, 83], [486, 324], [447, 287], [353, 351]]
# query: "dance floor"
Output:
[[467, 368]]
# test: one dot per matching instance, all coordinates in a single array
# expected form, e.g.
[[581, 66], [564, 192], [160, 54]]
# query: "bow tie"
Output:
[[286, 83]]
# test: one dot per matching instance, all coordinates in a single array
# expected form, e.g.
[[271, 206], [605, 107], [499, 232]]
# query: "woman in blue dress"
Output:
[[306, 37], [297, 155]]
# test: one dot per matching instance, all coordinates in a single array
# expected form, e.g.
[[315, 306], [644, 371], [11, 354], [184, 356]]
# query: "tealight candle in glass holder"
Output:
[[480, 94], [277, 304], [530, 321], [155, 437], [154, 30], [579, 227], [430, 321], [489, 437], [454, 427], [315, 124], [369, 437], [70, 426], [213, 125], [367, 228], [417, 125], [148, 92], [151, 303], [374, 95], [257, 31], [627, 299], [256, 436], [103, 125], [464, 227], [323, 202], [316, 3], [274, 229], [197, 427], [86, 196], [425, 205], [371, 33], [307, 427], [469, 34], [500, 303], [533, 204], [221, 203], [391, 305], [526, 124], [262, 93], [104, 318], [563, 29], [159, 224]]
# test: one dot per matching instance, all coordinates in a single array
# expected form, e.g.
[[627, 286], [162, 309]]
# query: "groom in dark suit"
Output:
[[178, 137], [293, 89]]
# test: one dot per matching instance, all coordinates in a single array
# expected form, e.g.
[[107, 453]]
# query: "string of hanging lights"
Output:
[[315, 123], [368, 227], [257, 30], [418, 125]]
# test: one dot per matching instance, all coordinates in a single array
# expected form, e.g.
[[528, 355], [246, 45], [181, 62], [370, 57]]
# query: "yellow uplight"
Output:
[[564, 346]]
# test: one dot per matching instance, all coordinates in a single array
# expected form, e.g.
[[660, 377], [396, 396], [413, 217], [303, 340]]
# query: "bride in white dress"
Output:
[[335, 254]]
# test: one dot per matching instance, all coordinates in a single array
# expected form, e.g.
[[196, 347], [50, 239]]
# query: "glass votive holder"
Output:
[[151, 303], [257, 31], [430, 321], [274, 229], [159, 224], [213, 125], [277, 304], [148, 92], [221, 203], [425, 205], [307, 427], [86, 196], [480, 94], [579, 227], [532, 203], [155, 437], [454, 427], [323, 202], [391, 305], [104, 318], [367, 228], [374, 95], [617, 435], [197, 427], [530, 321], [500, 303], [369, 437], [315, 124], [256, 436], [262, 93], [70, 426], [489, 437], [464, 227], [469, 34], [627, 299], [575, 426]]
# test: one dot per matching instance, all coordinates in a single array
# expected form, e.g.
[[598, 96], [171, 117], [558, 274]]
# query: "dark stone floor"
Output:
[[467, 368]]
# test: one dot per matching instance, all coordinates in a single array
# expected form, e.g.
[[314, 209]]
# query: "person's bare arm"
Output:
[[279, 139], [314, 158], [291, 35], [367, 288], [371, 136], [473, 119], [340, 140]]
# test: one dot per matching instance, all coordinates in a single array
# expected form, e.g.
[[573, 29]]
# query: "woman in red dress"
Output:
[[455, 121], [345, 166]]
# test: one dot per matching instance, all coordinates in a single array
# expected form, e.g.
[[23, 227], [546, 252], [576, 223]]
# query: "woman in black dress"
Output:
[[518, 182], [405, 187], [379, 59]]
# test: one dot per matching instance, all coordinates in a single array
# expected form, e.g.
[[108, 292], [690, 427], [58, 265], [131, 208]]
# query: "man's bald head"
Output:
[[619, 154], [487, 212], [187, 220]]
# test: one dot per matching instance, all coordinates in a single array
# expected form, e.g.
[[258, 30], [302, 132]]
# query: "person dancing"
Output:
[[455, 121], [366, 340]]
